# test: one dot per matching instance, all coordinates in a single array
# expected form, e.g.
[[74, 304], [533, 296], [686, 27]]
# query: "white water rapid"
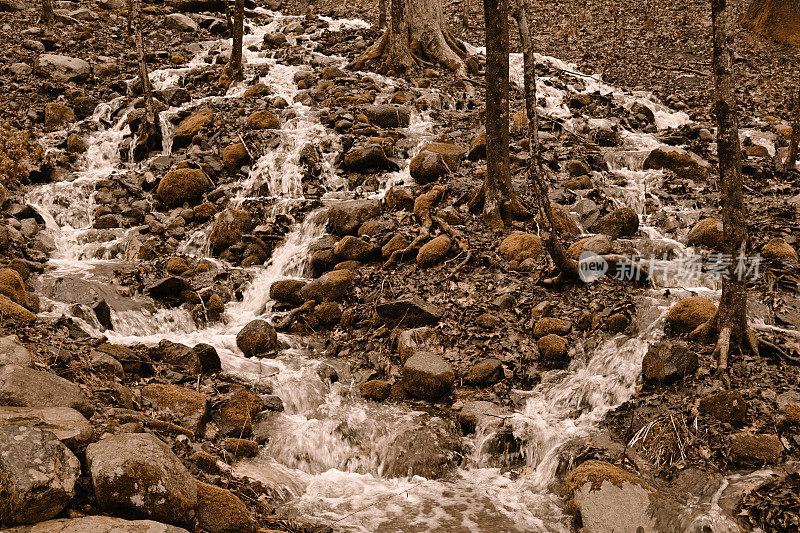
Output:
[[327, 453]]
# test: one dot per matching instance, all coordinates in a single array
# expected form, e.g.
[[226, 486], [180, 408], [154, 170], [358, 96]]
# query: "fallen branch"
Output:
[[287, 321]]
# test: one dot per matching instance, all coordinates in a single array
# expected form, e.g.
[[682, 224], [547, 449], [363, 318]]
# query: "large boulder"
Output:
[[62, 68], [433, 251], [369, 158], [235, 413], [668, 360], [612, 499], [68, 425], [220, 511], [428, 377], [352, 248], [263, 120], [388, 116], [597, 244], [726, 406], [182, 185], [136, 475], [96, 524], [12, 286], [344, 218], [485, 373], [748, 449], [57, 114], [778, 248], [257, 338], [428, 450], [11, 310], [332, 286], [26, 387], [684, 164], [191, 126], [707, 233], [180, 357], [549, 325], [287, 291], [188, 406], [180, 22], [38, 475], [553, 351], [234, 156], [14, 353], [229, 226], [427, 167], [622, 222], [410, 311], [686, 315], [520, 246]]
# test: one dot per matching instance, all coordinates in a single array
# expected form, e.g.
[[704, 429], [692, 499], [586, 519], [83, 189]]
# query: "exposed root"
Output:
[[415, 245], [721, 351], [460, 240], [373, 53], [287, 321]]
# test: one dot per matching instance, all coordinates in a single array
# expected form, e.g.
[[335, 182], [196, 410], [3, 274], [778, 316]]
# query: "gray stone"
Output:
[[344, 218], [97, 524], [429, 450], [669, 360], [38, 474], [428, 377], [25, 387], [20, 69], [62, 68], [410, 310], [68, 425], [14, 353], [105, 363], [137, 476], [180, 22], [388, 116]]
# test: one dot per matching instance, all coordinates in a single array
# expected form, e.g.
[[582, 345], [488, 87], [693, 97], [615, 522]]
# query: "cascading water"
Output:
[[328, 451]]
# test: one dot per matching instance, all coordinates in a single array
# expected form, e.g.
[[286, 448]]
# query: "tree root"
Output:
[[373, 53], [287, 321], [415, 245], [726, 341], [460, 240]]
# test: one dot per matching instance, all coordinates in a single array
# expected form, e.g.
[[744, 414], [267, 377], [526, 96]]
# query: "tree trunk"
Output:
[[568, 269], [47, 14], [730, 322], [148, 136], [774, 19], [382, 14], [233, 70], [791, 160], [496, 195], [417, 36]]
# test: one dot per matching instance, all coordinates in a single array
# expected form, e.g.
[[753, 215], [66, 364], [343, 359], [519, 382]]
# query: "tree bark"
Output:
[[568, 269], [233, 70], [417, 36], [774, 19], [730, 322], [791, 160], [382, 14], [496, 196], [47, 14], [148, 137]]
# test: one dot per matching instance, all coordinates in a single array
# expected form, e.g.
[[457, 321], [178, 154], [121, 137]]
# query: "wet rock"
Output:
[[287, 291], [235, 413], [327, 313], [75, 144], [96, 524], [259, 89], [375, 389], [477, 148], [257, 338], [433, 251], [68, 425], [332, 286], [183, 185], [755, 449], [38, 473], [136, 475], [179, 356], [180, 22], [344, 218], [219, 511], [234, 156], [13, 311], [611, 499], [396, 243], [352, 248], [428, 377], [410, 341], [577, 168], [56, 114], [191, 126], [486, 373], [476, 413], [563, 220], [622, 222], [547, 325], [726, 406], [12, 286], [376, 227], [176, 266], [707, 234], [132, 363], [12, 352], [25, 387], [62, 68], [189, 407], [553, 351], [206, 462], [597, 244], [668, 360], [684, 164], [410, 311], [686, 315], [229, 226], [430, 451], [388, 116], [240, 447], [370, 158], [520, 246], [399, 198], [102, 311], [263, 120], [579, 184], [777, 248]]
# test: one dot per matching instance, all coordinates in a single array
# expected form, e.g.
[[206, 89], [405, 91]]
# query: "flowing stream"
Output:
[[327, 453]]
